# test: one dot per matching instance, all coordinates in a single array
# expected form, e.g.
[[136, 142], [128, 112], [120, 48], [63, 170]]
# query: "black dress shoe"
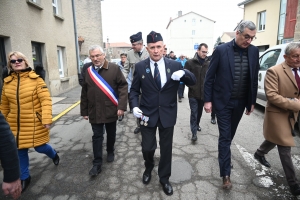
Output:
[[130, 111], [146, 177], [194, 137], [167, 188], [56, 159], [213, 121], [25, 183], [95, 170], [199, 128], [137, 130], [262, 160], [295, 189], [110, 157]]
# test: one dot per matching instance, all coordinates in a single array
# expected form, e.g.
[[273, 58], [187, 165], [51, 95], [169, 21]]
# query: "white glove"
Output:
[[177, 75], [137, 112]]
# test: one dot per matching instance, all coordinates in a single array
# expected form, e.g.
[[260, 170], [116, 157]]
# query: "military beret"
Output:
[[136, 37], [153, 37]]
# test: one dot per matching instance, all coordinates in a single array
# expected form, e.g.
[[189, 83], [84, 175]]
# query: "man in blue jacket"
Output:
[[231, 86], [158, 78]]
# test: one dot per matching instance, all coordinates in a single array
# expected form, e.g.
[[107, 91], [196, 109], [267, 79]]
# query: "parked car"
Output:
[[269, 58], [115, 60]]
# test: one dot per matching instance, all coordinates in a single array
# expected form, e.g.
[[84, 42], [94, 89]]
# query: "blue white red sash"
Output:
[[103, 85]]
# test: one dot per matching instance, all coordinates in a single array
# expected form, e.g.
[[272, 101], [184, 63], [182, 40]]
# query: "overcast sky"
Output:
[[122, 18]]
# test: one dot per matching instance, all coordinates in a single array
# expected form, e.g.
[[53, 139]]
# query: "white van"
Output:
[[269, 58]]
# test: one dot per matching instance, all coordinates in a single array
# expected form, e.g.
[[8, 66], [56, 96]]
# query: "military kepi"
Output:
[[154, 37], [136, 37]]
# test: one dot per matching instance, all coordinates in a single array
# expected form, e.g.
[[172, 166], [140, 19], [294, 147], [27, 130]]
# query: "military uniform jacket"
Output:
[[132, 59], [280, 87], [158, 103], [94, 102]]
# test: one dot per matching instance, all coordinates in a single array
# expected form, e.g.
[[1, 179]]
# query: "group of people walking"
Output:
[[225, 84]]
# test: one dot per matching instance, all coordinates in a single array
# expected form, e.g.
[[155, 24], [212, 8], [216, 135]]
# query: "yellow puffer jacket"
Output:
[[26, 105]]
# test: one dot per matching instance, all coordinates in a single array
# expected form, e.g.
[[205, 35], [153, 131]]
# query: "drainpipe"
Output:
[[76, 41]]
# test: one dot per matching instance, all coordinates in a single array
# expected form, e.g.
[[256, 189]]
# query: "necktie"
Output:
[[140, 54], [297, 77], [157, 76]]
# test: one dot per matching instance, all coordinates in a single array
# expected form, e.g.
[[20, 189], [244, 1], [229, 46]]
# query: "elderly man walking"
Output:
[[282, 85], [103, 99]]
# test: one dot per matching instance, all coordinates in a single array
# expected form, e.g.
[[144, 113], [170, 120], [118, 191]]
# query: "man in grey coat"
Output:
[[135, 55]]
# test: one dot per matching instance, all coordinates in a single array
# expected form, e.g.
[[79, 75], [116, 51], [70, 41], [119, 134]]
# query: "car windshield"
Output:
[[269, 59]]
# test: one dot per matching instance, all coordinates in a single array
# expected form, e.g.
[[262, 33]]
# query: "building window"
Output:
[[193, 32], [36, 54], [184, 20], [60, 61], [2, 53], [193, 22], [56, 7], [262, 21]]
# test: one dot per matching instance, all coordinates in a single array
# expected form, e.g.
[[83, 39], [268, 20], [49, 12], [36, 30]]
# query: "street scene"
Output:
[[113, 99], [195, 170]]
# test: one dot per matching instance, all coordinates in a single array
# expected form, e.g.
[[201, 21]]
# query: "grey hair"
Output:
[[291, 46], [140, 41], [93, 47], [246, 24]]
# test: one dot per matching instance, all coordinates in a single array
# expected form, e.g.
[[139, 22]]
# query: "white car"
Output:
[[269, 58]]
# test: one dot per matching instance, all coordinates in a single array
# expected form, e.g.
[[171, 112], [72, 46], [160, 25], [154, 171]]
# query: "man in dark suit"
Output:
[[231, 86], [158, 78]]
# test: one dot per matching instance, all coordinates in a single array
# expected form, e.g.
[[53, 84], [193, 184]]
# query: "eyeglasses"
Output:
[[247, 37], [96, 56], [14, 61], [204, 52], [295, 56]]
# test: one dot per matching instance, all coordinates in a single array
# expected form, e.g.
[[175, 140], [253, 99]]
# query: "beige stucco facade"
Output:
[[89, 24], [227, 36], [27, 22], [272, 8]]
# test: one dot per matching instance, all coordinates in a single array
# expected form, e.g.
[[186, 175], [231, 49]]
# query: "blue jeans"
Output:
[[24, 158]]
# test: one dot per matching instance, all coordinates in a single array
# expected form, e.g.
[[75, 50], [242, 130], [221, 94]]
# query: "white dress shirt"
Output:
[[162, 70]]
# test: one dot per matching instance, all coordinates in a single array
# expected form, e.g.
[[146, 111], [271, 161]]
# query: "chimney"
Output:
[[179, 13]]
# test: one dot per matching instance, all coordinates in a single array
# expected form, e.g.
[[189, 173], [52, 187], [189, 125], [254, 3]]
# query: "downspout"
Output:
[[76, 41]]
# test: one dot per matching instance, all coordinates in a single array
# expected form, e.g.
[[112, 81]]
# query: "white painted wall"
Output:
[[180, 38]]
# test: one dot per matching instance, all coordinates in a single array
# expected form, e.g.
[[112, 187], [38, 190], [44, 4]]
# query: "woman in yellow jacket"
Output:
[[27, 107]]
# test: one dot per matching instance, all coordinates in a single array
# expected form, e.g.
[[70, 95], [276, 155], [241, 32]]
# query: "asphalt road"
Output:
[[195, 170]]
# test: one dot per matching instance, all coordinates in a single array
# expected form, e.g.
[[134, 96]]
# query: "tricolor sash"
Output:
[[103, 85]]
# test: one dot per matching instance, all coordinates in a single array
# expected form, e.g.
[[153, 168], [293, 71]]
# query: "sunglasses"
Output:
[[14, 61]]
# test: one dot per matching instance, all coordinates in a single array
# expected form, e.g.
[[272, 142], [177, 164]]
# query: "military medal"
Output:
[[146, 120], [168, 70], [143, 76], [147, 70], [142, 123]]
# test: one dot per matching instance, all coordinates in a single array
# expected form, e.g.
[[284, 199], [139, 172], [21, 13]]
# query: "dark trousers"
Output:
[[181, 90], [98, 130], [213, 113], [285, 158], [149, 145], [129, 103], [196, 106], [228, 120]]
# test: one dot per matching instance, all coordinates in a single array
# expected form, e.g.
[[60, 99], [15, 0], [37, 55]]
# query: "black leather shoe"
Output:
[[56, 159], [167, 188], [95, 170], [146, 177], [137, 130], [110, 157], [25, 183], [295, 189], [130, 111], [213, 121], [179, 100], [120, 118], [194, 137], [199, 128], [262, 160]]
